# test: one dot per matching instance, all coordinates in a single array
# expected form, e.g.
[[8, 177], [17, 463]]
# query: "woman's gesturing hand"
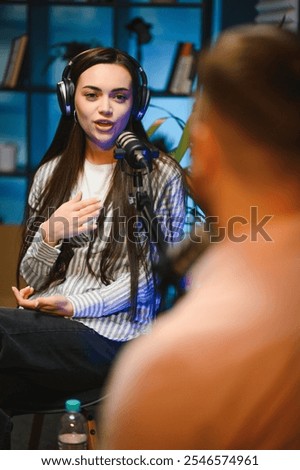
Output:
[[71, 218], [55, 304]]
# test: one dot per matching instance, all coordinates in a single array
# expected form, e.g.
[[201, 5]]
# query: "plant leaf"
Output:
[[153, 128], [183, 144]]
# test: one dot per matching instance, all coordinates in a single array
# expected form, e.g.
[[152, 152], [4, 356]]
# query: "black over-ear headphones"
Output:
[[66, 88]]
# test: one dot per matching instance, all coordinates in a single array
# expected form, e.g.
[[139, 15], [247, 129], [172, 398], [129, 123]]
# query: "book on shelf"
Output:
[[183, 71], [283, 13], [15, 61]]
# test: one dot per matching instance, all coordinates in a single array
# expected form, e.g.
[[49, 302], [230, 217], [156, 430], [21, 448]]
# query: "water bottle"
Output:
[[73, 431]]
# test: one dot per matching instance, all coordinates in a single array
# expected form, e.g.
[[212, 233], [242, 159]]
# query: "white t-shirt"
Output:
[[96, 179]]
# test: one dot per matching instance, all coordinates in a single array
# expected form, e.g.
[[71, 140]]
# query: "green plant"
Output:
[[183, 144]]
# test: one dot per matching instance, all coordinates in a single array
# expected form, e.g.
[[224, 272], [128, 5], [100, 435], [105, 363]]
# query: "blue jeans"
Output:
[[50, 352]]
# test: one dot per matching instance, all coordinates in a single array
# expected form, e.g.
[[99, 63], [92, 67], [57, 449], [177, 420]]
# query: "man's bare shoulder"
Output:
[[228, 338]]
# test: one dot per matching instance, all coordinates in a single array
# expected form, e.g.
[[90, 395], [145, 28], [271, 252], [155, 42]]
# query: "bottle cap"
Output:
[[73, 405]]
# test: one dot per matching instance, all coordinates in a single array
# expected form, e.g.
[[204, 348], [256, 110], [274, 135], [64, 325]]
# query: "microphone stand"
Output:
[[144, 206], [163, 267]]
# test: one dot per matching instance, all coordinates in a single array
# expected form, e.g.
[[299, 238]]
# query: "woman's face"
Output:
[[103, 103]]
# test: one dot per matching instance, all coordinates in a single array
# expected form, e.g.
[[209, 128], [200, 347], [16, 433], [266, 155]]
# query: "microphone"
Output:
[[135, 152]]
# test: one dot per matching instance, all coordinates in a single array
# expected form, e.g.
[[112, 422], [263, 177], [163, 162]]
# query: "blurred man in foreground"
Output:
[[222, 369]]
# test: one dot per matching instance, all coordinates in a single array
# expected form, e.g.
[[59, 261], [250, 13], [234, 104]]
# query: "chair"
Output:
[[40, 405]]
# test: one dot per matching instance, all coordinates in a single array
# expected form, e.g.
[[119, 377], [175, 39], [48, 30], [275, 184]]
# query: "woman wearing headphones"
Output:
[[86, 258]]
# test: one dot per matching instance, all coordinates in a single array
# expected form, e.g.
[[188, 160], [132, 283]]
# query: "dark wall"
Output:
[[237, 12]]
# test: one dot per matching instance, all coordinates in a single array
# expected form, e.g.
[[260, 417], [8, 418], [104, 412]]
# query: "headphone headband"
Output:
[[66, 88]]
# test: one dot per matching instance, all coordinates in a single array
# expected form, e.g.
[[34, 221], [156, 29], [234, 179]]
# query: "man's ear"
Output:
[[204, 151]]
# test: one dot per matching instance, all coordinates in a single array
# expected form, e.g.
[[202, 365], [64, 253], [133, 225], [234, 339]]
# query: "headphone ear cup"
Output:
[[143, 102], [143, 97], [146, 99], [65, 95]]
